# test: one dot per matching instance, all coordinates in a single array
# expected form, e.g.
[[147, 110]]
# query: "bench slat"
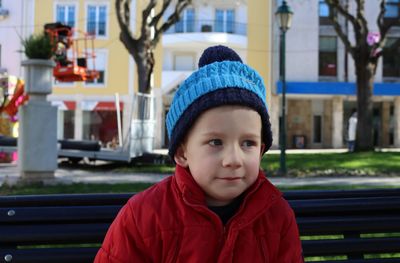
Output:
[[357, 206], [52, 234], [350, 246], [64, 200], [51, 255], [340, 225], [59, 214], [333, 194]]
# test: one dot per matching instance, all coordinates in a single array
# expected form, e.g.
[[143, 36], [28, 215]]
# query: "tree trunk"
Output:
[[144, 59], [365, 80]]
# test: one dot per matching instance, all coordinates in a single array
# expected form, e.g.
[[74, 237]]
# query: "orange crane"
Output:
[[70, 57], [71, 64]]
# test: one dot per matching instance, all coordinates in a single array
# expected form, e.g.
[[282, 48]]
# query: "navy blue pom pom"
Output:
[[218, 53]]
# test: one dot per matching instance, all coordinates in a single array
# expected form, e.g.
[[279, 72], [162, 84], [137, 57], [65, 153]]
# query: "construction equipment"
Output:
[[71, 58]]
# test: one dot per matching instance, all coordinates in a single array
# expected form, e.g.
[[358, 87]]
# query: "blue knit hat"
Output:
[[222, 79]]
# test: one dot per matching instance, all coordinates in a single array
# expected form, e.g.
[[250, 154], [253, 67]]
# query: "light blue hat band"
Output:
[[214, 76]]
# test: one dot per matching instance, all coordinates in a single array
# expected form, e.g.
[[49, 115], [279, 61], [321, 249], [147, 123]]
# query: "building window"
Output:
[[317, 129], [184, 62], [225, 20], [392, 13], [69, 124], [327, 56], [65, 13], [96, 20], [186, 23], [323, 10], [392, 9], [391, 60], [100, 64]]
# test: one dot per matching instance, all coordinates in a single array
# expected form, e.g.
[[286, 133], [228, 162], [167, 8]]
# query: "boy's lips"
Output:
[[230, 178]]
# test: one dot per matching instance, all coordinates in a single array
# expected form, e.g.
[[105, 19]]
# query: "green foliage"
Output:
[[38, 46], [343, 164]]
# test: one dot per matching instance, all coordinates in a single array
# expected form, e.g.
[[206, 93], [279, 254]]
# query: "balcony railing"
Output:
[[218, 26]]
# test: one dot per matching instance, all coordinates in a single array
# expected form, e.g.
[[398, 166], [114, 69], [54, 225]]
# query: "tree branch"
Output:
[[334, 18], [335, 4], [172, 19], [361, 15], [123, 17], [147, 11], [157, 18], [380, 19]]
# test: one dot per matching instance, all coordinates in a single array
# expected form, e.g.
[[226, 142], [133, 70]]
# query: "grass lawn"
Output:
[[365, 163]]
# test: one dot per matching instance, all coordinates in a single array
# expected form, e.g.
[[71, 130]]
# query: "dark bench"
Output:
[[70, 228]]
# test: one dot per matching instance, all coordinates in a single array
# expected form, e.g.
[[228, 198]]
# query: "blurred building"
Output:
[[320, 78], [318, 71]]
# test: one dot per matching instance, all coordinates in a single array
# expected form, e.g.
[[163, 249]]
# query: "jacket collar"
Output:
[[259, 197]]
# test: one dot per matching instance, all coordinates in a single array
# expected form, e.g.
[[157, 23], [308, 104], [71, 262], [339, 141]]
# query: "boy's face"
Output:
[[223, 152]]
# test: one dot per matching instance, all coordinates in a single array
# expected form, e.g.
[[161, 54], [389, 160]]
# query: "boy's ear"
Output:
[[180, 157]]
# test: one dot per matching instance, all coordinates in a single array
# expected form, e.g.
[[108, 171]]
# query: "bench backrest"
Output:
[[70, 228]]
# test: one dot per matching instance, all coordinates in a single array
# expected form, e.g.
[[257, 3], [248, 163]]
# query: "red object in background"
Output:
[[71, 66], [107, 105], [19, 98]]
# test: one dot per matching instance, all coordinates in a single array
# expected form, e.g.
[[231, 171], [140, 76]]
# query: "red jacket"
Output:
[[170, 222]]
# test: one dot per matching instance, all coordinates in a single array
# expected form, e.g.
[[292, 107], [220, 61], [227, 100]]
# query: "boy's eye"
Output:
[[215, 142], [249, 143]]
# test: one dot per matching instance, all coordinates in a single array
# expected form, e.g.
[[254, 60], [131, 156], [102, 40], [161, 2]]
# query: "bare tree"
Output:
[[142, 46], [365, 53]]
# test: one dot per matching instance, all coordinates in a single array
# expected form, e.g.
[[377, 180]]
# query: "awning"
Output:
[[100, 105], [336, 88], [65, 105], [107, 106]]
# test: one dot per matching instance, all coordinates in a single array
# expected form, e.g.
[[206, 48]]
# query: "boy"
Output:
[[218, 206]]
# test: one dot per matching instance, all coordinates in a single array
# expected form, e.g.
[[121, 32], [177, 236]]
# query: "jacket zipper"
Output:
[[217, 221]]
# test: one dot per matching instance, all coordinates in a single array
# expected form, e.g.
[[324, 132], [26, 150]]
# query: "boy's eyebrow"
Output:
[[211, 133], [251, 135]]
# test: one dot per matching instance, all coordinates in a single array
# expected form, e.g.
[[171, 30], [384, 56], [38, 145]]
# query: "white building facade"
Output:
[[320, 78], [16, 23]]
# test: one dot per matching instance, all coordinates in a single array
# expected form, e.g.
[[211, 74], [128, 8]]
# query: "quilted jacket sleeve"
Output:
[[290, 250], [123, 242]]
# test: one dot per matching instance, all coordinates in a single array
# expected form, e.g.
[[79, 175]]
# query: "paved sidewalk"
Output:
[[9, 173]]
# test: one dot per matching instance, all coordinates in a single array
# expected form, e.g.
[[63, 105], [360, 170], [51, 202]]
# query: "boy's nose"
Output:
[[232, 157]]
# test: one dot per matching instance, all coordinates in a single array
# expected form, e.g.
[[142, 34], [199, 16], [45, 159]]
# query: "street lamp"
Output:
[[284, 15]]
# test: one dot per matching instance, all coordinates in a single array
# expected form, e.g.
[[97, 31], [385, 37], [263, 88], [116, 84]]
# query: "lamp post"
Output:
[[284, 15]]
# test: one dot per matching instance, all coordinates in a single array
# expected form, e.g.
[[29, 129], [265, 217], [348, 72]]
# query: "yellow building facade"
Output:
[[259, 40], [259, 53], [87, 110]]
